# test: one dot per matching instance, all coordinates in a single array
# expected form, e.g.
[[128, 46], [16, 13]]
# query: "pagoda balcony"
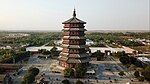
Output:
[[74, 29], [74, 43], [73, 33], [70, 34], [74, 26], [72, 51]]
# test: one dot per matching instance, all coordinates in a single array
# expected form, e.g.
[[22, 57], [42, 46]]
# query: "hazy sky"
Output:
[[99, 14]]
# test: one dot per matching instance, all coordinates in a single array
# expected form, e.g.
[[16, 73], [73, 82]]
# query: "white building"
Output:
[[93, 49], [35, 49], [144, 60]]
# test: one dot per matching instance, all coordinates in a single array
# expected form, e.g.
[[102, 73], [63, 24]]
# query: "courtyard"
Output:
[[106, 71]]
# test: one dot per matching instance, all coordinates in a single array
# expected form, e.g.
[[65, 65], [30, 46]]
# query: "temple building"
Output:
[[74, 48]]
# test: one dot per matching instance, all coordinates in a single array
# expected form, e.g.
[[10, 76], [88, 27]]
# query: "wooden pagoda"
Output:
[[74, 43]]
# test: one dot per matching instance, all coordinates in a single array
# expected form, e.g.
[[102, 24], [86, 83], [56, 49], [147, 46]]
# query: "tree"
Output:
[[45, 52], [2, 69], [22, 49], [65, 81], [124, 59], [140, 69], [54, 52], [29, 78], [132, 67], [68, 72], [23, 82], [80, 70], [138, 63], [141, 78], [136, 74], [33, 70], [79, 82], [121, 73], [146, 73], [119, 54], [99, 55], [133, 60]]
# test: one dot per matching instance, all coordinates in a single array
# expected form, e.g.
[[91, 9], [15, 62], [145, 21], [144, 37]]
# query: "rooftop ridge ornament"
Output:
[[74, 19], [74, 13]]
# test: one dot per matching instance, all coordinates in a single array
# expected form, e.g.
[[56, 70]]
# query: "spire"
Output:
[[74, 13]]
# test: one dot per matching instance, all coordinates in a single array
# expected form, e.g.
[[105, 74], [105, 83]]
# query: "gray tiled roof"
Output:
[[70, 60], [75, 55], [74, 20], [74, 46], [74, 29], [74, 37]]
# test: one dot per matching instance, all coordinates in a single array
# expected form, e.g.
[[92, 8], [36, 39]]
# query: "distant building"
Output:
[[90, 42], [144, 60], [5, 47], [74, 43], [36, 49]]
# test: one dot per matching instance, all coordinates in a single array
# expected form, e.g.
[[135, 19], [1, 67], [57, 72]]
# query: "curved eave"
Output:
[[78, 60], [63, 58], [74, 46], [75, 55], [74, 37], [74, 20], [74, 29]]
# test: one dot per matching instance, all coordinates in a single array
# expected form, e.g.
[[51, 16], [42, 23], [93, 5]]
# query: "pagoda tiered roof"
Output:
[[75, 55], [74, 37], [74, 29], [73, 46], [72, 60]]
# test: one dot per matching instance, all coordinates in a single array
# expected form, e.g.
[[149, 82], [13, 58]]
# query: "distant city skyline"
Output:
[[99, 14]]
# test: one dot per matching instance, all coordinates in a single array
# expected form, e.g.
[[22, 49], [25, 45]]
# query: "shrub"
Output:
[[79, 82], [124, 59], [132, 67], [141, 78], [29, 78], [136, 74], [65, 81], [33, 70], [121, 73], [140, 69], [68, 72], [80, 70], [146, 73]]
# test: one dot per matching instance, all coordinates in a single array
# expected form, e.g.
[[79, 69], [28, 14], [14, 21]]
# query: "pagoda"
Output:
[[74, 48]]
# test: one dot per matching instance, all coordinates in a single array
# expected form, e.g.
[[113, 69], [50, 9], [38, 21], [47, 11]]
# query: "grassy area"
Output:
[[2, 75]]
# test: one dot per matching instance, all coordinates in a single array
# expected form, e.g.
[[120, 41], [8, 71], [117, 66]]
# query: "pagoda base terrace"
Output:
[[71, 65]]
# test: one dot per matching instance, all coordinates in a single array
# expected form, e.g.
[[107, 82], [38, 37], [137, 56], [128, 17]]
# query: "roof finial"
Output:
[[74, 13]]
